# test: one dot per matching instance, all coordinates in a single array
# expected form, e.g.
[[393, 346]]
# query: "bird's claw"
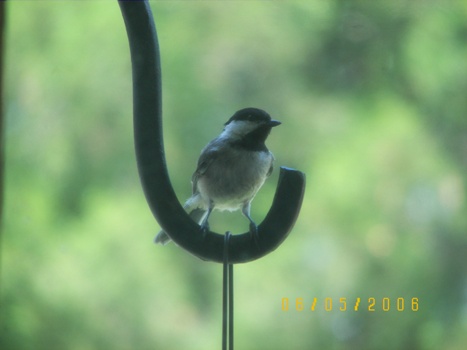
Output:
[[205, 228], [254, 233]]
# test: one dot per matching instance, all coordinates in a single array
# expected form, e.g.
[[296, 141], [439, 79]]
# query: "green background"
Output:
[[372, 97]]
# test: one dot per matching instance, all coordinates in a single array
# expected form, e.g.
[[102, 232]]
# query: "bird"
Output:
[[231, 169]]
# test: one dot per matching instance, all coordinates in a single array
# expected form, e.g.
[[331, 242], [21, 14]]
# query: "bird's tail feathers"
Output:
[[196, 214]]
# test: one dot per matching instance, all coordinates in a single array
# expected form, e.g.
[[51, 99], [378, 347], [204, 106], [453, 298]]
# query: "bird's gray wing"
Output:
[[208, 155]]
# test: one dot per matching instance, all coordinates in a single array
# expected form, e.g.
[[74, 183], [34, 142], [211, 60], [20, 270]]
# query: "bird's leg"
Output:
[[205, 223], [253, 227]]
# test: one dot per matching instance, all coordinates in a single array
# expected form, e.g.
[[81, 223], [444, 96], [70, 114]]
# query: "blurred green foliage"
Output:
[[372, 96]]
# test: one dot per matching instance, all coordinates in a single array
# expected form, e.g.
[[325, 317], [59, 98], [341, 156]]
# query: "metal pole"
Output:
[[227, 298]]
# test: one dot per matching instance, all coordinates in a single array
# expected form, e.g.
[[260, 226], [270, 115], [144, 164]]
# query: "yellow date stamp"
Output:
[[355, 304]]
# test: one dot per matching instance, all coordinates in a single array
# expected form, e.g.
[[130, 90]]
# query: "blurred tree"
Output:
[[371, 95]]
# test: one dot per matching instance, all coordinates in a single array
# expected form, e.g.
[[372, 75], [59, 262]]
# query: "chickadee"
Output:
[[231, 169]]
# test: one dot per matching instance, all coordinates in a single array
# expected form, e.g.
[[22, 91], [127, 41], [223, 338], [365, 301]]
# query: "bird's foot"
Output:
[[254, 233], [205, 228]]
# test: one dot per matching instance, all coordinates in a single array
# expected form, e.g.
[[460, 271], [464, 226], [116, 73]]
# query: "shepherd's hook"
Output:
[[147, 111]]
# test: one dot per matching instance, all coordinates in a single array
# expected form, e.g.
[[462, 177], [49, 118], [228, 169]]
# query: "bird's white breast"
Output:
[[234, 178]]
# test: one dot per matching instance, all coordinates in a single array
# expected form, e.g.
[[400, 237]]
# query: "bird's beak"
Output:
[[274, 123]]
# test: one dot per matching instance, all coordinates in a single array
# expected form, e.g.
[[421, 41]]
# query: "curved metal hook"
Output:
[[147, 109]]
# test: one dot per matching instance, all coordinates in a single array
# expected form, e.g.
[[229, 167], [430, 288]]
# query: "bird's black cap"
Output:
[[253, 114]]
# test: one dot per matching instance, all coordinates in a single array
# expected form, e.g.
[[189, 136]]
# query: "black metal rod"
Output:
[[227, 298], [231, 308]]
